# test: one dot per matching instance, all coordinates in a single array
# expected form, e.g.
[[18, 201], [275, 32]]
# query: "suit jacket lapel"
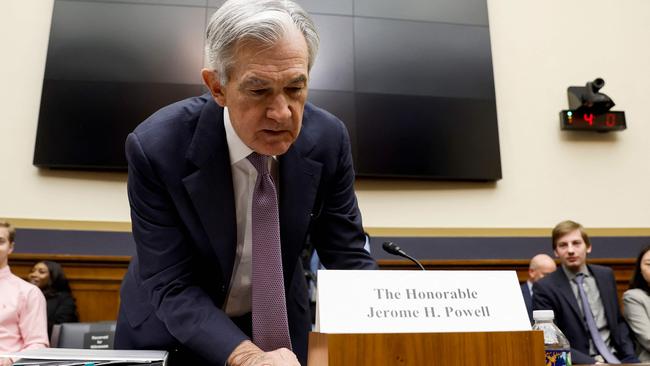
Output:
[[528, 300], [564, 287], [210, 186], [210, 189], [299, 179], [609, 301]]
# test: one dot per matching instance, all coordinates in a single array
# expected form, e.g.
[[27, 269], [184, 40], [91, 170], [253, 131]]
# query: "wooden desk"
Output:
[[430, 349], [608, 364]]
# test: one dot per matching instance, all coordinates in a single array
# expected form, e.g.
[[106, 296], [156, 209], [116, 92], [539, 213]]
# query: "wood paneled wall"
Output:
[[95, 280]]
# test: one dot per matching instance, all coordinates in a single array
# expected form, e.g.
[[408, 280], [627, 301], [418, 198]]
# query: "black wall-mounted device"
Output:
[[590, 110]]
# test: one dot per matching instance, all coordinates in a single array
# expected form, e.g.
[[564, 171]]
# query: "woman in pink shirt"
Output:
[[23, 319]]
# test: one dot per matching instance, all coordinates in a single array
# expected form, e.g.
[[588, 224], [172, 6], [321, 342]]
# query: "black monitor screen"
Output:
[[412, 80]]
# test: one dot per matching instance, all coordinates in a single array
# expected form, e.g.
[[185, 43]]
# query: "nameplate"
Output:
[[419, 302]]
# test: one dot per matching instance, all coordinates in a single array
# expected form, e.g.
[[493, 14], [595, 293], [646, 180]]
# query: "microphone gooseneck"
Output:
[[393, 249]]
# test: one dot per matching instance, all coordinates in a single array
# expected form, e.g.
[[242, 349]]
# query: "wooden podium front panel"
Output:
[[524, 348]]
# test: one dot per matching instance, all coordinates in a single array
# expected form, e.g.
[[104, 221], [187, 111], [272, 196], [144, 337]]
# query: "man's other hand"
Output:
[[248, 354]]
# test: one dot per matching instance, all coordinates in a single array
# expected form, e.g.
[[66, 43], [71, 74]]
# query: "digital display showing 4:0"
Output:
[[587, 121]]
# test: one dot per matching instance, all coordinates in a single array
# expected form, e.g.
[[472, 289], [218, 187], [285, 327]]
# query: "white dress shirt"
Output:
[[244, 175]]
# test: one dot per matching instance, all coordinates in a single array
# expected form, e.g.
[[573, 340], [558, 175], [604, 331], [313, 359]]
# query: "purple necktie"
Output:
[[270, 325], [600, 345]]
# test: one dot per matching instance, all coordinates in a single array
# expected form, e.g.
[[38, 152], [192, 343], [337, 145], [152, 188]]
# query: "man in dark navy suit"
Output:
[[192, 186], [584, 300], [539, 266]]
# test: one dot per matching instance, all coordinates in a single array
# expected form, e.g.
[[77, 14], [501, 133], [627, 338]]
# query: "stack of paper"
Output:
[[87, 357]]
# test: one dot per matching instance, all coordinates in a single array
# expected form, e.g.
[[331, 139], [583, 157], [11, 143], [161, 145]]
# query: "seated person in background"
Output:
[[585, 301], [313, 264], [540, 265], [61, 307], [23, 323], [636, 303]]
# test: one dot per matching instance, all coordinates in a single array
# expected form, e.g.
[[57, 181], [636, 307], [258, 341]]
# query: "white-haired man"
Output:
[[224, 191]]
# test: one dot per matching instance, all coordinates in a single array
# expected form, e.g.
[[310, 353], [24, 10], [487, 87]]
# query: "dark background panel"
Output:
[[198, 3], [444, 11], [334, 67], [342, 7], [423, 58], [448, 138], [412, 81], [467, 248], [125, 42], [75, 242], [87, 122]]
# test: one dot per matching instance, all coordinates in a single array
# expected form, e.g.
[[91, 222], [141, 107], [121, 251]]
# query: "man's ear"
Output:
[[11, 247], [211, 80]]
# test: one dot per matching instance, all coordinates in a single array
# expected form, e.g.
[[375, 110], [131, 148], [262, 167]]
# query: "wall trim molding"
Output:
[[496, 232], [113, 226], [125, 226], [66, 259]]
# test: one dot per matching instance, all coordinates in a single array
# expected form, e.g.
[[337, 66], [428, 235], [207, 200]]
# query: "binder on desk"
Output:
[[87, 357]]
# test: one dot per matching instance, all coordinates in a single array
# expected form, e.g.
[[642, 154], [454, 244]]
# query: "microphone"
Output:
[[393, 249]]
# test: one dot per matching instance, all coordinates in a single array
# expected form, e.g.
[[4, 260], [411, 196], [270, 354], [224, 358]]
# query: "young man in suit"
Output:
[[584, 300], [539, 266], [225, 183]]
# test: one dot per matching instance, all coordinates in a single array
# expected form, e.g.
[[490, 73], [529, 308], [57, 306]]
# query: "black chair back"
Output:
[[98, 335]]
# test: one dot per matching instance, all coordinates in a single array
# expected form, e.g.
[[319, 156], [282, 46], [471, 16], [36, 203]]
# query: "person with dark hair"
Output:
[[585, 302], [636, 302], [61, 307]]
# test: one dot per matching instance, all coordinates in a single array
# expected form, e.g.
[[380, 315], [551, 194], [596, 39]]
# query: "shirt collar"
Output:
[[236, 147], [571, 276], [5, 272]]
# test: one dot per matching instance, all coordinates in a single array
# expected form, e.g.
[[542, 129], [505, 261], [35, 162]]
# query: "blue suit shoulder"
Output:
[[325, 137], [319, 124], [550, 279], [165, 124], [596, 268], [164, 137]]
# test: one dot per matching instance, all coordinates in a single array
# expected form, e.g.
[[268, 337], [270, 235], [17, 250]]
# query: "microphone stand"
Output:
[[393, 249]]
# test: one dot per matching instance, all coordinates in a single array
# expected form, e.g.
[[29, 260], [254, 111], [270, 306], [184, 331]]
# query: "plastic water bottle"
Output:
[[556, 346]]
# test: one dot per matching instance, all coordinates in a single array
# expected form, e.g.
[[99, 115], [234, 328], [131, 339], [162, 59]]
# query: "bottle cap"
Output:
[[543, 315]]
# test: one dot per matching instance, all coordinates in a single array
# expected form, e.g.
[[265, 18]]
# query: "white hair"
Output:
[[263, 21]]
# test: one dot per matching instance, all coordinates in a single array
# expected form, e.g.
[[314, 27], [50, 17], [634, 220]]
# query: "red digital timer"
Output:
[[587, 121]]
